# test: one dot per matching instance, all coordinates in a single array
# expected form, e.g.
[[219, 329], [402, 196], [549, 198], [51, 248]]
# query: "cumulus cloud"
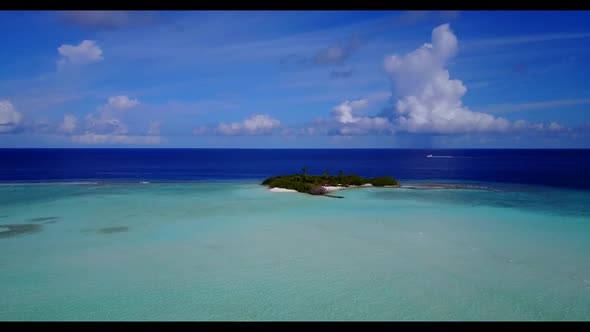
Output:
[[90, 138], [115, 105], [338, 53], [122, 102], [85, 52], [104, 126], [366, 125], [10, 119], [554, 126], [348, 111], [103, 19], [106, 119], [257, 124], [104, 130], [522, 125], [69, 125], [351, 118], [113, 131], [429, 101]]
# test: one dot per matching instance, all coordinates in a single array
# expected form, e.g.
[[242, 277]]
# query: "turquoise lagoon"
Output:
[[235, 251]]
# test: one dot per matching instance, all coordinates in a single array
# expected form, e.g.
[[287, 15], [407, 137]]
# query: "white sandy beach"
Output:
[[282, 190], [328, 188], [333, 188]]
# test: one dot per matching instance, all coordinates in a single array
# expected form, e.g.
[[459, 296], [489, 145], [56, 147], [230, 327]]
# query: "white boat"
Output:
[[429, 156]]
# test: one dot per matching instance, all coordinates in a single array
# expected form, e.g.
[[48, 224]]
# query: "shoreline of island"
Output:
[[325, 184], [328, 188]]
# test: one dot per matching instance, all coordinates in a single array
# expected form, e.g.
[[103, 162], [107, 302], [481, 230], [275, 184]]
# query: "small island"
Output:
[[324, 184]]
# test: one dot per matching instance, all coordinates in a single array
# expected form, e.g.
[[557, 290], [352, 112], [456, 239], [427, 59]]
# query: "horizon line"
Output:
[[286, 148]]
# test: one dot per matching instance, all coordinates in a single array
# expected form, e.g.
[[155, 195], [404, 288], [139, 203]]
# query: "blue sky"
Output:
[[363, 79]]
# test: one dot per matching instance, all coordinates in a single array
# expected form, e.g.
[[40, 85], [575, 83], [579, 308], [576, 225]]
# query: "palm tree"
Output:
[[304, 169]]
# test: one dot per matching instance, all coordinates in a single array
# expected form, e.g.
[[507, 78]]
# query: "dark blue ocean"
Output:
[[560, 168]]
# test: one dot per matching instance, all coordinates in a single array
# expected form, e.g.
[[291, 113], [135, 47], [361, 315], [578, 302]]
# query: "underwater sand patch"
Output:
[[12, 230], [41, 219], [112, 230], [214, 247]]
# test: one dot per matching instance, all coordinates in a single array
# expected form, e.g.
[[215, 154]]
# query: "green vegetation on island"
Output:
[[314, 184]]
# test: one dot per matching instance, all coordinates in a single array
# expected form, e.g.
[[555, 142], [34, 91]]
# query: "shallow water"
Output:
[[235, 251]]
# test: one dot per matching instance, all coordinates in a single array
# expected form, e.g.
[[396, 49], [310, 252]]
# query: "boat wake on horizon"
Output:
[[443, 156], [432, 156]]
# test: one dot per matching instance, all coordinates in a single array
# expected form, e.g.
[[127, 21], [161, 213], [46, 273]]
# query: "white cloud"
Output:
[[69, 125], [525, 125], [10, 119], [522, 125], [350, 118], [350, 121], [85, 52], [366, 125], [90, 138], [104, 130], [554, 126], [343, 113], [257, 124], [115, 105], [122, 102], [104, 126], [429, 101], [346, 112]]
